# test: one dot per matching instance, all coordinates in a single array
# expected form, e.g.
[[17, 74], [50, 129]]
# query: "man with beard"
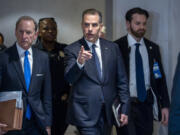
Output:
[[146, 77], [60, 89]]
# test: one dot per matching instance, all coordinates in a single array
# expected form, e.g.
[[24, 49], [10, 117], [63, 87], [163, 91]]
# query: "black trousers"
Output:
[[140, 118], [30, 127], [59, 124], [101, 127]]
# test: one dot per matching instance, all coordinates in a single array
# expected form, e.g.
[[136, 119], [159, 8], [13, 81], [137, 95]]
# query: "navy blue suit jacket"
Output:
[[86, 100], [158, 85], [12, 79], [174, 118]]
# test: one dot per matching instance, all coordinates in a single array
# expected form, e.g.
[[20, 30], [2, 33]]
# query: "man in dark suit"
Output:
[[95, 69], [26, 69], [174, 116], [60, 88], [146, 85]]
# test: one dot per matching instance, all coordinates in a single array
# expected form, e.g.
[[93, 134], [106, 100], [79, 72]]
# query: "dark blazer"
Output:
[[86, 100], [174, 116], [12, 79], [158, 85]]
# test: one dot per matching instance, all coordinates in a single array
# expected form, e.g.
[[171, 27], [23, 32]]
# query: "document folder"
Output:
[[11, 113], [116, 106]]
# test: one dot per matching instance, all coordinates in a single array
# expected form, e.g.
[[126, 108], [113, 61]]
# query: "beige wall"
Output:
[[67, 14]]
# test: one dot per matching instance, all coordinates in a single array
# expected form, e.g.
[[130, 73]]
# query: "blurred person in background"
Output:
[[2, 46]]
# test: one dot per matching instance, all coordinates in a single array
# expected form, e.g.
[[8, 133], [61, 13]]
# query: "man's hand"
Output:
[[2, 126], [84, 56], [124, 120], [165, 116], [48, 130]]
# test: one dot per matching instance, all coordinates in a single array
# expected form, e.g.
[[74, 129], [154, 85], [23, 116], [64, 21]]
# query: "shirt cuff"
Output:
[[80, 65]]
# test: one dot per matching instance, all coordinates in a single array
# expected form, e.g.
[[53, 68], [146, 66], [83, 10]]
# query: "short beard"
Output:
[[136, 34]]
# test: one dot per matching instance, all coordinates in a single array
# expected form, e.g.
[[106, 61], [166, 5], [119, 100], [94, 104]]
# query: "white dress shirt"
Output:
[[132, 67], [22, 55]]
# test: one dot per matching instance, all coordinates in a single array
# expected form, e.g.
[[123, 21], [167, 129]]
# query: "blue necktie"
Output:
[[100, 74], [141, 89], [27, 76], [96, 60]]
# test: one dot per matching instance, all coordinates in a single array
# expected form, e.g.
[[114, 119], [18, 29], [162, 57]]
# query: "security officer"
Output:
[[47, 42]]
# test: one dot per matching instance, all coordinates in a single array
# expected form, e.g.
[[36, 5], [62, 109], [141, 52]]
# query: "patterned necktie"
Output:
[[141, 89], [96, 60], [27, 76]]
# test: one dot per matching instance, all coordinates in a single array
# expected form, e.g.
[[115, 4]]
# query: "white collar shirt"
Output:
[[132, 67], [22, 55]]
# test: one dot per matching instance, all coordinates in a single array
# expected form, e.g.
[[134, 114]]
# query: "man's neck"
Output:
[[136, 38]]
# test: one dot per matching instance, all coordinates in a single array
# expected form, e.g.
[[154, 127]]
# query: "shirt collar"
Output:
[[132, 41], [97, 43], [21, 50]]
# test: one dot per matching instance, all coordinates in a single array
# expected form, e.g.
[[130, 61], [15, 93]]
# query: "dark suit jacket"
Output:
[[158, 85], [87, 89], [174, 117], [12, 79]]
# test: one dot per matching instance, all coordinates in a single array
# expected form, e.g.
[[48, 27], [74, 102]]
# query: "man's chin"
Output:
[[92, 40], [25, 46]]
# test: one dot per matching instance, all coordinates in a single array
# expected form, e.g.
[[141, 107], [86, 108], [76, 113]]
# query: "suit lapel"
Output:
[[149, 50], [90, 66], [34, 67], [104, 55], [17, 64], [150, 55], [125, 50]]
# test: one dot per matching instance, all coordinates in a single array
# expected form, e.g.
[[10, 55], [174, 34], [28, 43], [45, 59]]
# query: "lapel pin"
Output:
[[150, 47]]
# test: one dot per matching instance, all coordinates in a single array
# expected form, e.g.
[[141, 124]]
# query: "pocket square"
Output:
[[39, 74]]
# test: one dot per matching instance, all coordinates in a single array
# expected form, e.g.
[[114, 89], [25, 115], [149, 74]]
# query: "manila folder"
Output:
[[11, 115]]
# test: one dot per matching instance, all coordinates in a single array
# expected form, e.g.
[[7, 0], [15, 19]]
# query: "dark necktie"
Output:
[[27, 76], [96, 60], [141, 89]]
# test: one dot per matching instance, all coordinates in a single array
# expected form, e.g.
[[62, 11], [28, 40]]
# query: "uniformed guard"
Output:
[[47, 41]]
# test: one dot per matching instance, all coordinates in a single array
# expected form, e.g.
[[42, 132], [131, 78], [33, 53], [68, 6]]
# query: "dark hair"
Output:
[[136, 10], [92, 11], [28, 18], [47, 18], [1, 35]]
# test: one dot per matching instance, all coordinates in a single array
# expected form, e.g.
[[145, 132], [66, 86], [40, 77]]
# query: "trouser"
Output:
[[29, 127], [101, 128], [140, 118]]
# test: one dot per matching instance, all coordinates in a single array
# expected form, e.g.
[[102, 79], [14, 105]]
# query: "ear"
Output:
[[82, 25], [15, 32], [127, 25], [36, 35], [101, 25]]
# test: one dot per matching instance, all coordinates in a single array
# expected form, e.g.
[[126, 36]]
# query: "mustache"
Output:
[[89, 34], [141, 30]]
